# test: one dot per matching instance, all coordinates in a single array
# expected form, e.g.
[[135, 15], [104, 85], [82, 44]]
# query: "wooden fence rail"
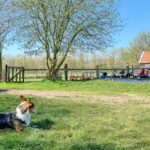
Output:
[[17, 74]]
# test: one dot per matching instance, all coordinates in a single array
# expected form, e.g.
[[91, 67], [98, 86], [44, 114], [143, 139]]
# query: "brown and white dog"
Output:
[[19, 118]]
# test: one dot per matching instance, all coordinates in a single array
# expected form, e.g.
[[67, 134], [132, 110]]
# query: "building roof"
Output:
[[145, 58]]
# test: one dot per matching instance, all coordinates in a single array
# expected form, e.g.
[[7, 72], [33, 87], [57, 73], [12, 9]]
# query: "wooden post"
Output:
[[8, 68], [132, 70], [19, 75], [16, 75], [128, 68], [6, 73], [66, 71], [23, 74], [97, 71], [12, 74]]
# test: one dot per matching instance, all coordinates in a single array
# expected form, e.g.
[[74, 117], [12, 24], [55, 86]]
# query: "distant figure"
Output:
[[143, 73], [104, 75], [113, 77]]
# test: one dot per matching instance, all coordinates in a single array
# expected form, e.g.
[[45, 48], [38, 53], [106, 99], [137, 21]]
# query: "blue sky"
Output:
[[137, 16]]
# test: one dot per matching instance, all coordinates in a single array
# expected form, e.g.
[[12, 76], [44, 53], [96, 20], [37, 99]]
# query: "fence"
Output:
[[80, 74], [14, 74], [66, 73]]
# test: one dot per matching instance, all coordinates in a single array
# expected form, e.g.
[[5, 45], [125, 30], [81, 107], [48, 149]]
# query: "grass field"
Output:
[[105, 87], [79, 125], [69, 123]]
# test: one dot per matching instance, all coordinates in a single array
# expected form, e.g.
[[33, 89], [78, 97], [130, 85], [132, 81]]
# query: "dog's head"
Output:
[[26, 106]]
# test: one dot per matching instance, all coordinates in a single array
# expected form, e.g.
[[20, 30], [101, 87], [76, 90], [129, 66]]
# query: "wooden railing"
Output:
[[17, 74]]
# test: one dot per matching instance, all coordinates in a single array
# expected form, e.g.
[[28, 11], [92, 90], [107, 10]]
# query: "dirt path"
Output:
[[75, 95], [45, 94]]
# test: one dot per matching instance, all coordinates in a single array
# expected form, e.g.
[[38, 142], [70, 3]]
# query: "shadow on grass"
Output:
[[39, 145], [48, 143], [58, 81], [2, 90], [95, 146], [61, 81], [89, 146], [110, 146], [24, 145], [44, 124]]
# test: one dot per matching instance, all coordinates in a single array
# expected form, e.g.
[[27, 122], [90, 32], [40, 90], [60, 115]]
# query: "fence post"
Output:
[[128, 68], [6, 73], [23, 74], [12, 74], [66, 71], [132, 69], [20, 75], [16, 75], [97, 71]]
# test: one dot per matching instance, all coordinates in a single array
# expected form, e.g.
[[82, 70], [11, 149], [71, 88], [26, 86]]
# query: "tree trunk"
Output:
[[52, 73], [51, 66], [0, 62]]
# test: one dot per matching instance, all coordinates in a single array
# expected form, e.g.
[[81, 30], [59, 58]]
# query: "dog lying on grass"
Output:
[[19, 118]]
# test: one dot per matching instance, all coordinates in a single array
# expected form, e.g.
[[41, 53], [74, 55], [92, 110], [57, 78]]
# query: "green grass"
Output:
[[79, 125], [101, 86]]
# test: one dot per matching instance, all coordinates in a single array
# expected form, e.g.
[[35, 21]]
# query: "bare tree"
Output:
[[57, 26], [5, 24], [2, 34]]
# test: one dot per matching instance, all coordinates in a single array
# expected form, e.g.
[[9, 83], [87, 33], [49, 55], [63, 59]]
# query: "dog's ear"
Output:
[[22, 99]]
